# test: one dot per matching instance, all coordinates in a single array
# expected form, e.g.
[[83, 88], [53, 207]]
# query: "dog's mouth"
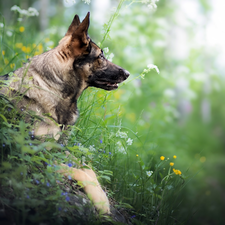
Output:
[[106, 85]]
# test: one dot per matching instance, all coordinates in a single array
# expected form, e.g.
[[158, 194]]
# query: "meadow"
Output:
[[156, 143]]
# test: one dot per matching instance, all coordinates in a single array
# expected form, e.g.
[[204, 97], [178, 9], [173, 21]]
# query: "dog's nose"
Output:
[[124, 73]]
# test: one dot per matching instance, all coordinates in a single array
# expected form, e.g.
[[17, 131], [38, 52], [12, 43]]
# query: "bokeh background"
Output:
[[179, 111]]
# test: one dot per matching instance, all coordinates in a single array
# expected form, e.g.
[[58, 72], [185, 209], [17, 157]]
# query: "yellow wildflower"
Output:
[[3, 52], [24, 48], [171, 164], [177, 172], [137, 155], [174, 156], [22, 29], [19, 45], [12, 65], [162, 158]]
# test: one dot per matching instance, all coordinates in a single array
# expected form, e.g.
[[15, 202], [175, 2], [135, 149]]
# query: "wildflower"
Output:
[[21, 29], [69, 177], [137, 155], [120, 147], [48, 184], [28, 196], [12, 65], [177, 172], [87, 1], [1, 25], [101, 141], [110, 153], [106, 50], [3, 52], [32, 12], [152, 66], [133, 216], [24, 48], [92, 148], [162, 158], [37, 181], [149, 173], [30, 144], [70, 164], [9, 33], [129, 141], [60, 208], [62, 145], [3, 145], [174, 156], [121, 134], [110, 57], [67, 198], [171, 164]]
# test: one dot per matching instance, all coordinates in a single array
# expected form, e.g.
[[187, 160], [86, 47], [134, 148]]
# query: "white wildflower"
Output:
[[9, 33], [110, 57], [170, 93], [92, 148], [149, 173], [120, 147], [32, 12], [1, 25], [87, 1], [106, 50], [15, 8], [129, 141], [152, 66], [19, 19], [121, 134]]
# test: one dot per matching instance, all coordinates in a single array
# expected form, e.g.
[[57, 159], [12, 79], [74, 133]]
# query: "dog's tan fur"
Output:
[[51, 83]]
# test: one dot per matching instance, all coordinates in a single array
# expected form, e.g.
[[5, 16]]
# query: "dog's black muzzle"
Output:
[[109, 78]]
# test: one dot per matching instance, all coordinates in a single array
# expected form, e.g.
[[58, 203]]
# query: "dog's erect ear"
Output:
[[82, 30], [74, 25]]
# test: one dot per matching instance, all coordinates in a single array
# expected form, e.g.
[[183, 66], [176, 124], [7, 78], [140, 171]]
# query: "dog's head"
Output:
[[89, 60]]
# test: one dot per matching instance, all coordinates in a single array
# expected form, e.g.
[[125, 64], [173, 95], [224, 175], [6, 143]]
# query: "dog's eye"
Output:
[[101, 56]]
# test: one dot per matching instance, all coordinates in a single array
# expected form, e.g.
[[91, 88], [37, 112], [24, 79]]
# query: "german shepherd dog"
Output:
[[51, 83]]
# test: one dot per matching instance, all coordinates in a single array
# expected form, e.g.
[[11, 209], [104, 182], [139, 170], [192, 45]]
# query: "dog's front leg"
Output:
[[91, 186]]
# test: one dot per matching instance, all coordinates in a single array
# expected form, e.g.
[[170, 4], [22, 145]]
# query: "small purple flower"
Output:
[[133, 216], [67, 198], [70, 164], [37, 181], [9, 109], [60, 208], [30, 144], [103, 151], [101, 141], [64, 193], [62, 145], [28, 196], [3, 145], [110, 153], [48, 184], [22, 109], [69, 177]]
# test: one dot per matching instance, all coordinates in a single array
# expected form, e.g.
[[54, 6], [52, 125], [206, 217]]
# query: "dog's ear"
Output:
[[81, 32], [74, 25]]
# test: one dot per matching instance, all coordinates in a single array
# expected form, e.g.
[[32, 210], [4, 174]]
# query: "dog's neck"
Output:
[[48, 89]]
